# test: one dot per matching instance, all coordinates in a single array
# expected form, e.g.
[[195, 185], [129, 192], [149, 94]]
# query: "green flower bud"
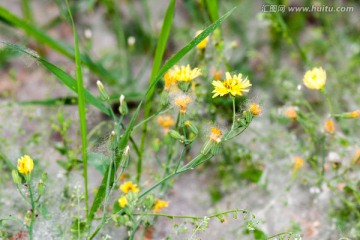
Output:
[[123, 109], [103, 94], [175, 134]]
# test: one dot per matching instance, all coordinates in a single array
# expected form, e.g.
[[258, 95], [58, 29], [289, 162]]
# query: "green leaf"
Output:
[[81, 107], [160, 48], [99, 161], [212, 7]]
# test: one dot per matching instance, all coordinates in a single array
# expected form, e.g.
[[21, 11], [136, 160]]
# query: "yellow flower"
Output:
[[123, 201], [160, 204], [355, 114], [234, 85], [129, 186], [290, 112], [255, 109], [25, 164], [329, 126], [203, 43], [169, 79], [315, 78], [182, 101], [185, 73], [166, 122], [215, 135], [298, 163]]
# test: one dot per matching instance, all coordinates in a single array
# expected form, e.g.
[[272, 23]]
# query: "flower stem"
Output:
[[30, 229], [234, 113], [323, 90]]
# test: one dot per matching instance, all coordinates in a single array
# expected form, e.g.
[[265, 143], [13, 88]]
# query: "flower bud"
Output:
[[192, 127], [123, 109], [175, 134], [41, 187], [103, 94], [125, 157]]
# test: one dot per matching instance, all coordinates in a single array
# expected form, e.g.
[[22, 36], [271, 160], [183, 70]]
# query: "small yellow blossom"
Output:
[[355, 114], [160, 204], [123, 201], [129, 186], [203, 43], [182, 101], [25, 164], [215, 135], [255, 109], [185, 73], [290, 112], [166, 122], [169, 79], [329, 126], [233, 85], [315, 78], [298, 163]]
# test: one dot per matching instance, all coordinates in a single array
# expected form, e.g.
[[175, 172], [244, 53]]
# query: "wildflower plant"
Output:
[[30, 192]]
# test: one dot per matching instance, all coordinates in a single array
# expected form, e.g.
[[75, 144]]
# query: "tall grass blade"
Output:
[[212, 6], [82, 109], [160, 49]]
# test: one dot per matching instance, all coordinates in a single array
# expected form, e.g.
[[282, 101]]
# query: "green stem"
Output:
[[26, 10], [152, 116], [82, 109], [323, 90], [191, 217], [279, 234], [234, 113], [32, 209]]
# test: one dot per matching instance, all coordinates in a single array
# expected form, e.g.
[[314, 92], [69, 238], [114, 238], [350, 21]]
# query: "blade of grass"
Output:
[[160, 49], [170, 63], [82, 109], [66, 79], [212, 7], [51, 101], [26, 10], [57, 45]]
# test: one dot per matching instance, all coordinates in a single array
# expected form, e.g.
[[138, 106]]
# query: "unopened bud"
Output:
[[104, 95], [247, 116], [164, 99], [175, 134], [125, 157], [88, 33], [41, 187], [192, 127], [131, 41], [123, 108]]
